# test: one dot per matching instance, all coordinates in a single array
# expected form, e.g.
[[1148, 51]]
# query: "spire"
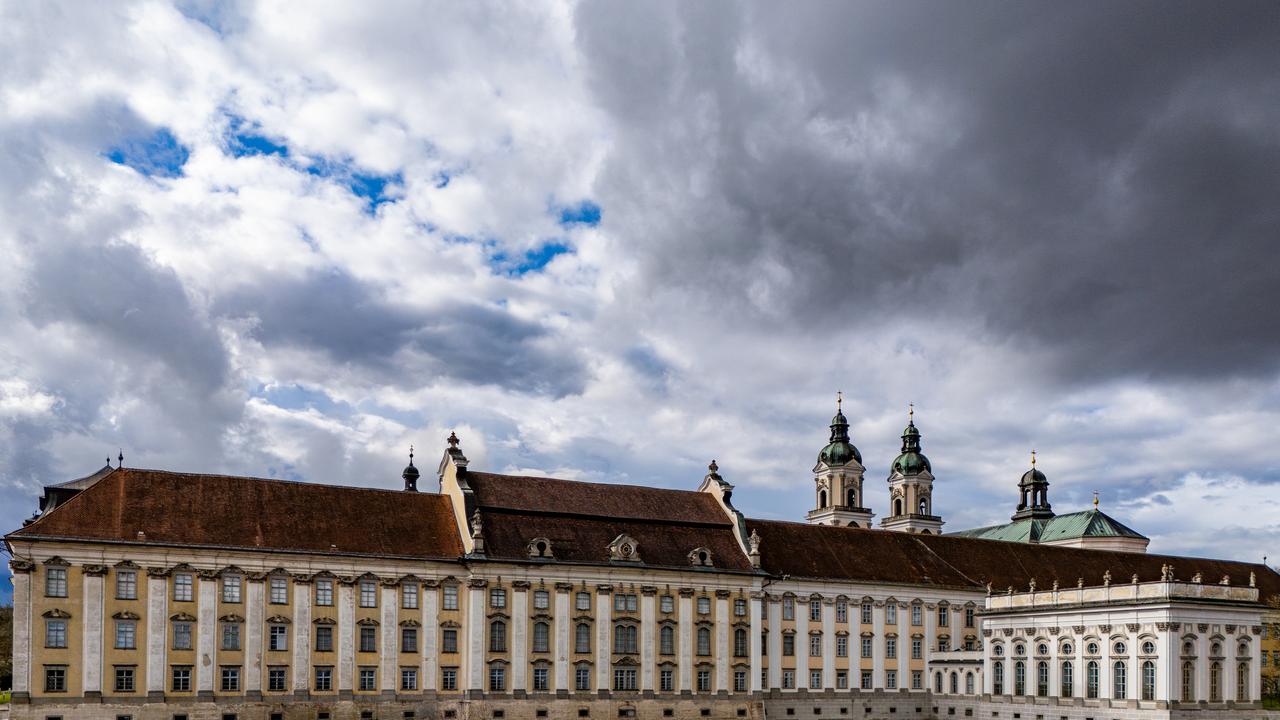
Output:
[[120, 459], [1095, 499], [839, 425], [410, 474]]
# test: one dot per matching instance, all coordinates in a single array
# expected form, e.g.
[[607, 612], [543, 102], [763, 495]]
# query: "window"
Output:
[[891, 648], [230, 679], [997, 678], [230, 636], [815, 611], [740, 607], [917, 615], [449, 640], [541, 679], [944, 644], [126, 634], [1020, 678], [815, 679], [944, 616], [368, 594], [1242, 682], [624, 679], [865, 680], [324, 592], [842, 646], [55, 678], [408, 678], [1119, 676], [582, 638], [182, 587], [1148, 680], [788, 608], [891, 679], [324, 638], [739, 681], [1215, 682], [541, 637], [368, 678], [865, 618], [409, 598], [1091, 679], [55, 585], [704, 605], [55, 633], [788, 644], [968, 617], [181, 678], [739, 642], [891, 614], [917, 649], [667, 640], [704, 681], [704, 641], [624, 639], [324, 678], [815, 645], [230, 588], [448, 678], [497, 598], [279, 590], [497, 636], [1042, 679], [408, 640], [276, 675], [582, 678], [126, 585], [541, 600], [666, 680], [1119, 649], [497, 678], [450, 597], [788, 679], [278, 637], [124, 679], [368, 638], [865, 647], [1067, 679], [582, 601], [917, 679], [968, 683]]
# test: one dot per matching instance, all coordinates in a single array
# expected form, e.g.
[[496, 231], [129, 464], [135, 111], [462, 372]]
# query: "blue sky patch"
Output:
[[584, 213], [533, 260], [156, 155], [370, 186]]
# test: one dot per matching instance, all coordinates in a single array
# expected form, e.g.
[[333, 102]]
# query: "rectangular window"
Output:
[[866, 647], [704, 680], [541, 600], [497, 679], [368, 594], [968, 617], [55, 635], [917, 679], [124, 679], [324, 592], [126, 585], [497, 598], [842, 646], [917, 615], [866, 613], [230, 636], [541, 637], [408, 640], [865, 683], [278, 637], [917, 649], [891, 679], [55, 584], [788, 645], [842, 679], [181, 681], [448, 678], [788, 679], [582, 601], [540, 679], [126, 634], [666, 680], [497, 636], [739, 681], [624, 679], [449, 640], [624, 602], [815, 611], [944, 644], [740, 607], [582, 678], [324, 678], [450, 597], [230, 588], [667, 604], [944, 616], [815, 679], [368, 638], [368, 678], [276, 675], [409, 596], [230, 679], [815, 646], [788, 608], [408, 678], [324, 638], [182, 587], [279, 590], [55, 678], [891, 648], [842, 611], [890, 614]]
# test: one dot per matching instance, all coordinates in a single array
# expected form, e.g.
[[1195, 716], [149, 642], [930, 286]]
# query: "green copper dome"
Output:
[[911, 461], [839, 451]]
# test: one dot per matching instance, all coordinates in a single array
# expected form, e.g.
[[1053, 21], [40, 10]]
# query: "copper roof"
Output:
[[242, 512]]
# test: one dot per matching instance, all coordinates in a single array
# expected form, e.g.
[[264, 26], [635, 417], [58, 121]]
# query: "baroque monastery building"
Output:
[[153, 595]]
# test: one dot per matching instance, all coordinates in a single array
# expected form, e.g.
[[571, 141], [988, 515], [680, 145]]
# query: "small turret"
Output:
[[410, 474]]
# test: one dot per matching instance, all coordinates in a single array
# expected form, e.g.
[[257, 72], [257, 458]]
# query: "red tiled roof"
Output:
[[604, 500], [243, 512]]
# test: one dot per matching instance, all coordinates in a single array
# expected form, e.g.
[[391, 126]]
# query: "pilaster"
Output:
[[604, 630], [648, 630], [254, 610], [756, 643], [562, 645], [302, 636], [686, 640], [723, 657], [390, 621], [430, 635], [91, 627], [345, 633], [519, 636], [775, 643], [157, 632], [828, 643], [206, 629]]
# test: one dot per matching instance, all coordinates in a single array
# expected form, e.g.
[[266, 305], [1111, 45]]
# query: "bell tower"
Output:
[[911, 487], [838, 479], [1033, 495]]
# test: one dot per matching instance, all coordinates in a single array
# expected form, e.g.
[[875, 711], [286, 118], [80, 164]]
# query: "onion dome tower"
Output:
[[1033, 494], [838, 479], [911, 487], [410, 474]]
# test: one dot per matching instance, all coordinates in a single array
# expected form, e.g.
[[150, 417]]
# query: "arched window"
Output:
[[1242, 682], [937, 682], [955, 683], [924, 506], [582, 638], [1119, 676], [497, 636], [1067, 679], [541, 637], [1091, 679], [704, 641], [997, 678], [897, 506], [1215, 682], [851, 498], [739, 642], [1042, 679], [624, 639], [1148, 680], [968, 683], [1188, 682], [1188, 648], [1019, 678], [822, 498], [667, 640]]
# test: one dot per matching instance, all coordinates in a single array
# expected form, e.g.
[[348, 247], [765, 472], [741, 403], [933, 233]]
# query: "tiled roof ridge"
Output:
[[226, 476], [629, 486], [596, 516]]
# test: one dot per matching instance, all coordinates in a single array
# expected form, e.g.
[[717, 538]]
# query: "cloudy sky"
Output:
[[615, 241]]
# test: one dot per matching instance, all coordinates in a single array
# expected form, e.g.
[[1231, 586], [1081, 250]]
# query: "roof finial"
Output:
[[839, 400], [1095, 499], [1033, 457], [911, 413], [411, 455], [120, 459], [453, 439]]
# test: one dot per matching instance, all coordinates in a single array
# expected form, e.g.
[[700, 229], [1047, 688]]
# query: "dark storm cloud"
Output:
[[339, 315], [1098, 180]]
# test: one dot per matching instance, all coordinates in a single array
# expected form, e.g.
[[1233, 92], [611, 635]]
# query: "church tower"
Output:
[[911, 487], [1033, 495], [838, 479]]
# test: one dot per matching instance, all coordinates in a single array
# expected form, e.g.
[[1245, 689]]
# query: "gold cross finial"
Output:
[[839, 399], [1033, 458], [911, 413], [1095, 499]]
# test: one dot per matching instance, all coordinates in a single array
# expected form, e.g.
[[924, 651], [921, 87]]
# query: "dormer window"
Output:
[[540, 548], [700, 557]]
